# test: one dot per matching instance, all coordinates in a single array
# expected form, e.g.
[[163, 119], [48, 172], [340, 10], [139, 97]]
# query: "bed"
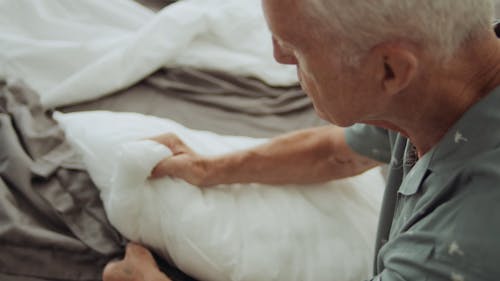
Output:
[[53, 222]]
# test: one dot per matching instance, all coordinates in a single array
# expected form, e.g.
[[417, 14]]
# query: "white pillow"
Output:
[[233, 232]]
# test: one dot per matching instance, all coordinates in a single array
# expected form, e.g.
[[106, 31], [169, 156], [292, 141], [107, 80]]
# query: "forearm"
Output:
[[307, 156]]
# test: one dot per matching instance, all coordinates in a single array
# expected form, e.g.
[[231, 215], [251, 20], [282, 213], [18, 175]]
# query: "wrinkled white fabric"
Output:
[[72, 51], [46, 42], [233, 232]]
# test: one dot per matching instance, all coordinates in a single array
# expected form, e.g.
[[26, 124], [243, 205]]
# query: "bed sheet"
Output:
[[227, 104], [62, 167], [211, 100]]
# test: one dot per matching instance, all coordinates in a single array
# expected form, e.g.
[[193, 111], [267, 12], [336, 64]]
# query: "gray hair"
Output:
[[439, 26]]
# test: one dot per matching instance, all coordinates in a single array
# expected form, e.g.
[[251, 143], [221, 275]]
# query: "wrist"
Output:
[[222, 169], [210, 176]]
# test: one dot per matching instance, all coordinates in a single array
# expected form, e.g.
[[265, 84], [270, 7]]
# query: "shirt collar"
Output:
[[478, 130], [475, 132]]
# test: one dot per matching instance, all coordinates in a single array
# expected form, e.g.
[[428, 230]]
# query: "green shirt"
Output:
[[440, 218]]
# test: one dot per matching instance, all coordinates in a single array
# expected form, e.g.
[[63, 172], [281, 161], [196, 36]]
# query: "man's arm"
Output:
[[306, 156]]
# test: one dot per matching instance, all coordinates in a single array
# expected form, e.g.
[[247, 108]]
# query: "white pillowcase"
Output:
[[232, 232]]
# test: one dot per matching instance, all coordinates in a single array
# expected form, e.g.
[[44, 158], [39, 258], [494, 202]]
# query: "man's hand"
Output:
[[138, 265], [184, 163]]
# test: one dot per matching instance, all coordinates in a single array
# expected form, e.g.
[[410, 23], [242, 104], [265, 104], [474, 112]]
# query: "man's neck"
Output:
[[449, 93]]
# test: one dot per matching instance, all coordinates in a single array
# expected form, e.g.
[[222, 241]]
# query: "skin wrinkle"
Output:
[[464, 92]]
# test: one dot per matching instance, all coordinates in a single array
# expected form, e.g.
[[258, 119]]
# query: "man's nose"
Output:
[[283, 56]]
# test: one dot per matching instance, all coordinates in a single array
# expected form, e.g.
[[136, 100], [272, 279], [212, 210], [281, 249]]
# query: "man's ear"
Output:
[[398, 67]]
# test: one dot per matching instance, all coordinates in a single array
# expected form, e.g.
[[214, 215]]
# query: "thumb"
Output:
[[113, 271], [166, 167]]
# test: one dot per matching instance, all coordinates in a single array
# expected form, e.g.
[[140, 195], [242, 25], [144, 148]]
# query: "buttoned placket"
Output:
[[410, 186]]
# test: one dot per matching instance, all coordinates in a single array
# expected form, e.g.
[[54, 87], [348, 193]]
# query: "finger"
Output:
[[160, 170], [173, 142], [137, 254], [134, 249], [169, 166], [112, 271], [112, 265]]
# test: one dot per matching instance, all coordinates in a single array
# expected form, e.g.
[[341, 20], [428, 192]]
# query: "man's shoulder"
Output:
[[482, 170], [474, 201]]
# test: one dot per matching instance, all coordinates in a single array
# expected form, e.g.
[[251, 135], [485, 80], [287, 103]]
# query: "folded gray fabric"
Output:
[[230, 92], [214, 101]]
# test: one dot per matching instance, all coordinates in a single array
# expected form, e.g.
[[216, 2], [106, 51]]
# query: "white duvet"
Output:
[[234, 232], [72, 51]]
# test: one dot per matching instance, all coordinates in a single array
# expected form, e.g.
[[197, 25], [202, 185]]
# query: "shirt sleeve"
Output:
[[370, 141]]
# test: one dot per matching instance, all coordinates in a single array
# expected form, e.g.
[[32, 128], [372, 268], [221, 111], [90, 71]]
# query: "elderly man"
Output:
[[420, 77]]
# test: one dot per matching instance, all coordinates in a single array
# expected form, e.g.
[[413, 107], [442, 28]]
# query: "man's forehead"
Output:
[[286, 19], [284, 6], [281, 1], [281, 12]]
